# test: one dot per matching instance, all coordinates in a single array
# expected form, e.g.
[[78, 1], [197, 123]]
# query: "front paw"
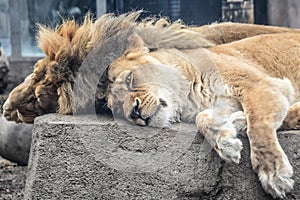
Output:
[[229, 147], [275, 176]]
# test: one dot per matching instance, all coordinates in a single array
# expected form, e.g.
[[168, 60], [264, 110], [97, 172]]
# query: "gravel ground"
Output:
[[12, 176], [12, 180]]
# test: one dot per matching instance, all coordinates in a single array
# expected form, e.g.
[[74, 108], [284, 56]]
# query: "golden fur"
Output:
[[49, 89], [254, 82]]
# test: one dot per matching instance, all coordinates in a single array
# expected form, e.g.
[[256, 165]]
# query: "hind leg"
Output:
[[293, 117]]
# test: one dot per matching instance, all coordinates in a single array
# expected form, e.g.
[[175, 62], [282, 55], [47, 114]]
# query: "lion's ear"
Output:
[[135, 47]]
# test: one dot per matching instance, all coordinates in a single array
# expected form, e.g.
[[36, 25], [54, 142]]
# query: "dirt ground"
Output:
[[12, 180]]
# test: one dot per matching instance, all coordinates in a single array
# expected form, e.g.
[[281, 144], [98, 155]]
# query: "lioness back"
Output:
[[222, 33], [262, 52]]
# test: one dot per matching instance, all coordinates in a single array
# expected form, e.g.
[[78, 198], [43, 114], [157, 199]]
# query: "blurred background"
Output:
[[18, 18]]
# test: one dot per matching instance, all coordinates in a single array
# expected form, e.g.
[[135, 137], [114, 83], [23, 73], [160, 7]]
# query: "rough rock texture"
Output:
[[89, 158]]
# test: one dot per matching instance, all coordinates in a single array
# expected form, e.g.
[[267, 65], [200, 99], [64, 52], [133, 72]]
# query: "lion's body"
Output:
[[258, 75]]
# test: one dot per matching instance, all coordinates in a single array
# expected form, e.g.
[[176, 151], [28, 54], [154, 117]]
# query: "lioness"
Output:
[[254, 81], [49, 88]]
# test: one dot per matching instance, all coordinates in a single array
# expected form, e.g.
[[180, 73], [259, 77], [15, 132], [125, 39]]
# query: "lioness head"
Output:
[[142, 89]]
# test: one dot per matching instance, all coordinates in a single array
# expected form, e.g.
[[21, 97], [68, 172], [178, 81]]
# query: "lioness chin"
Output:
[[254, 82]]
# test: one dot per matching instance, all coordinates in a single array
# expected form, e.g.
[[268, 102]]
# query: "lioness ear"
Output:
[[135, 42], [135, 47]]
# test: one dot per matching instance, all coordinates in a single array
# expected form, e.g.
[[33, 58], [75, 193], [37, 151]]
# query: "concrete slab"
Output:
[[87, 157]]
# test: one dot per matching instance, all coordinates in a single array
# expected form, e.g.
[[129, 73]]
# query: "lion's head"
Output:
[[47, 89]]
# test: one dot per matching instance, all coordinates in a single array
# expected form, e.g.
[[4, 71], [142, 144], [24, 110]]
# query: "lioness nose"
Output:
[[135, 114]]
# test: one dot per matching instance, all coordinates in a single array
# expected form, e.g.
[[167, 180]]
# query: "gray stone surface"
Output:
[[15, 141], [12, 180], [97, 158]]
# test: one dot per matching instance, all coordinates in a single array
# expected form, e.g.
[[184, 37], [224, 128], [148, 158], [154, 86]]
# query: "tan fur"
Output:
[[259, 76], [68, 45]]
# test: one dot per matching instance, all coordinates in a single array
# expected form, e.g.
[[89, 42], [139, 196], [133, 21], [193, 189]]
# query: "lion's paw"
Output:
[[277, 184], [9, 113], [229, 148]]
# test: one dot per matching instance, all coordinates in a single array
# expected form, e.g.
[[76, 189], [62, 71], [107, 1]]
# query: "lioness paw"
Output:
[[277, 184], [274, 173], [229, 147]]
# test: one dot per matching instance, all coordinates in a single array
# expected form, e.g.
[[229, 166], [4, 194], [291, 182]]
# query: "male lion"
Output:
[[254, 80], [49, 88]]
